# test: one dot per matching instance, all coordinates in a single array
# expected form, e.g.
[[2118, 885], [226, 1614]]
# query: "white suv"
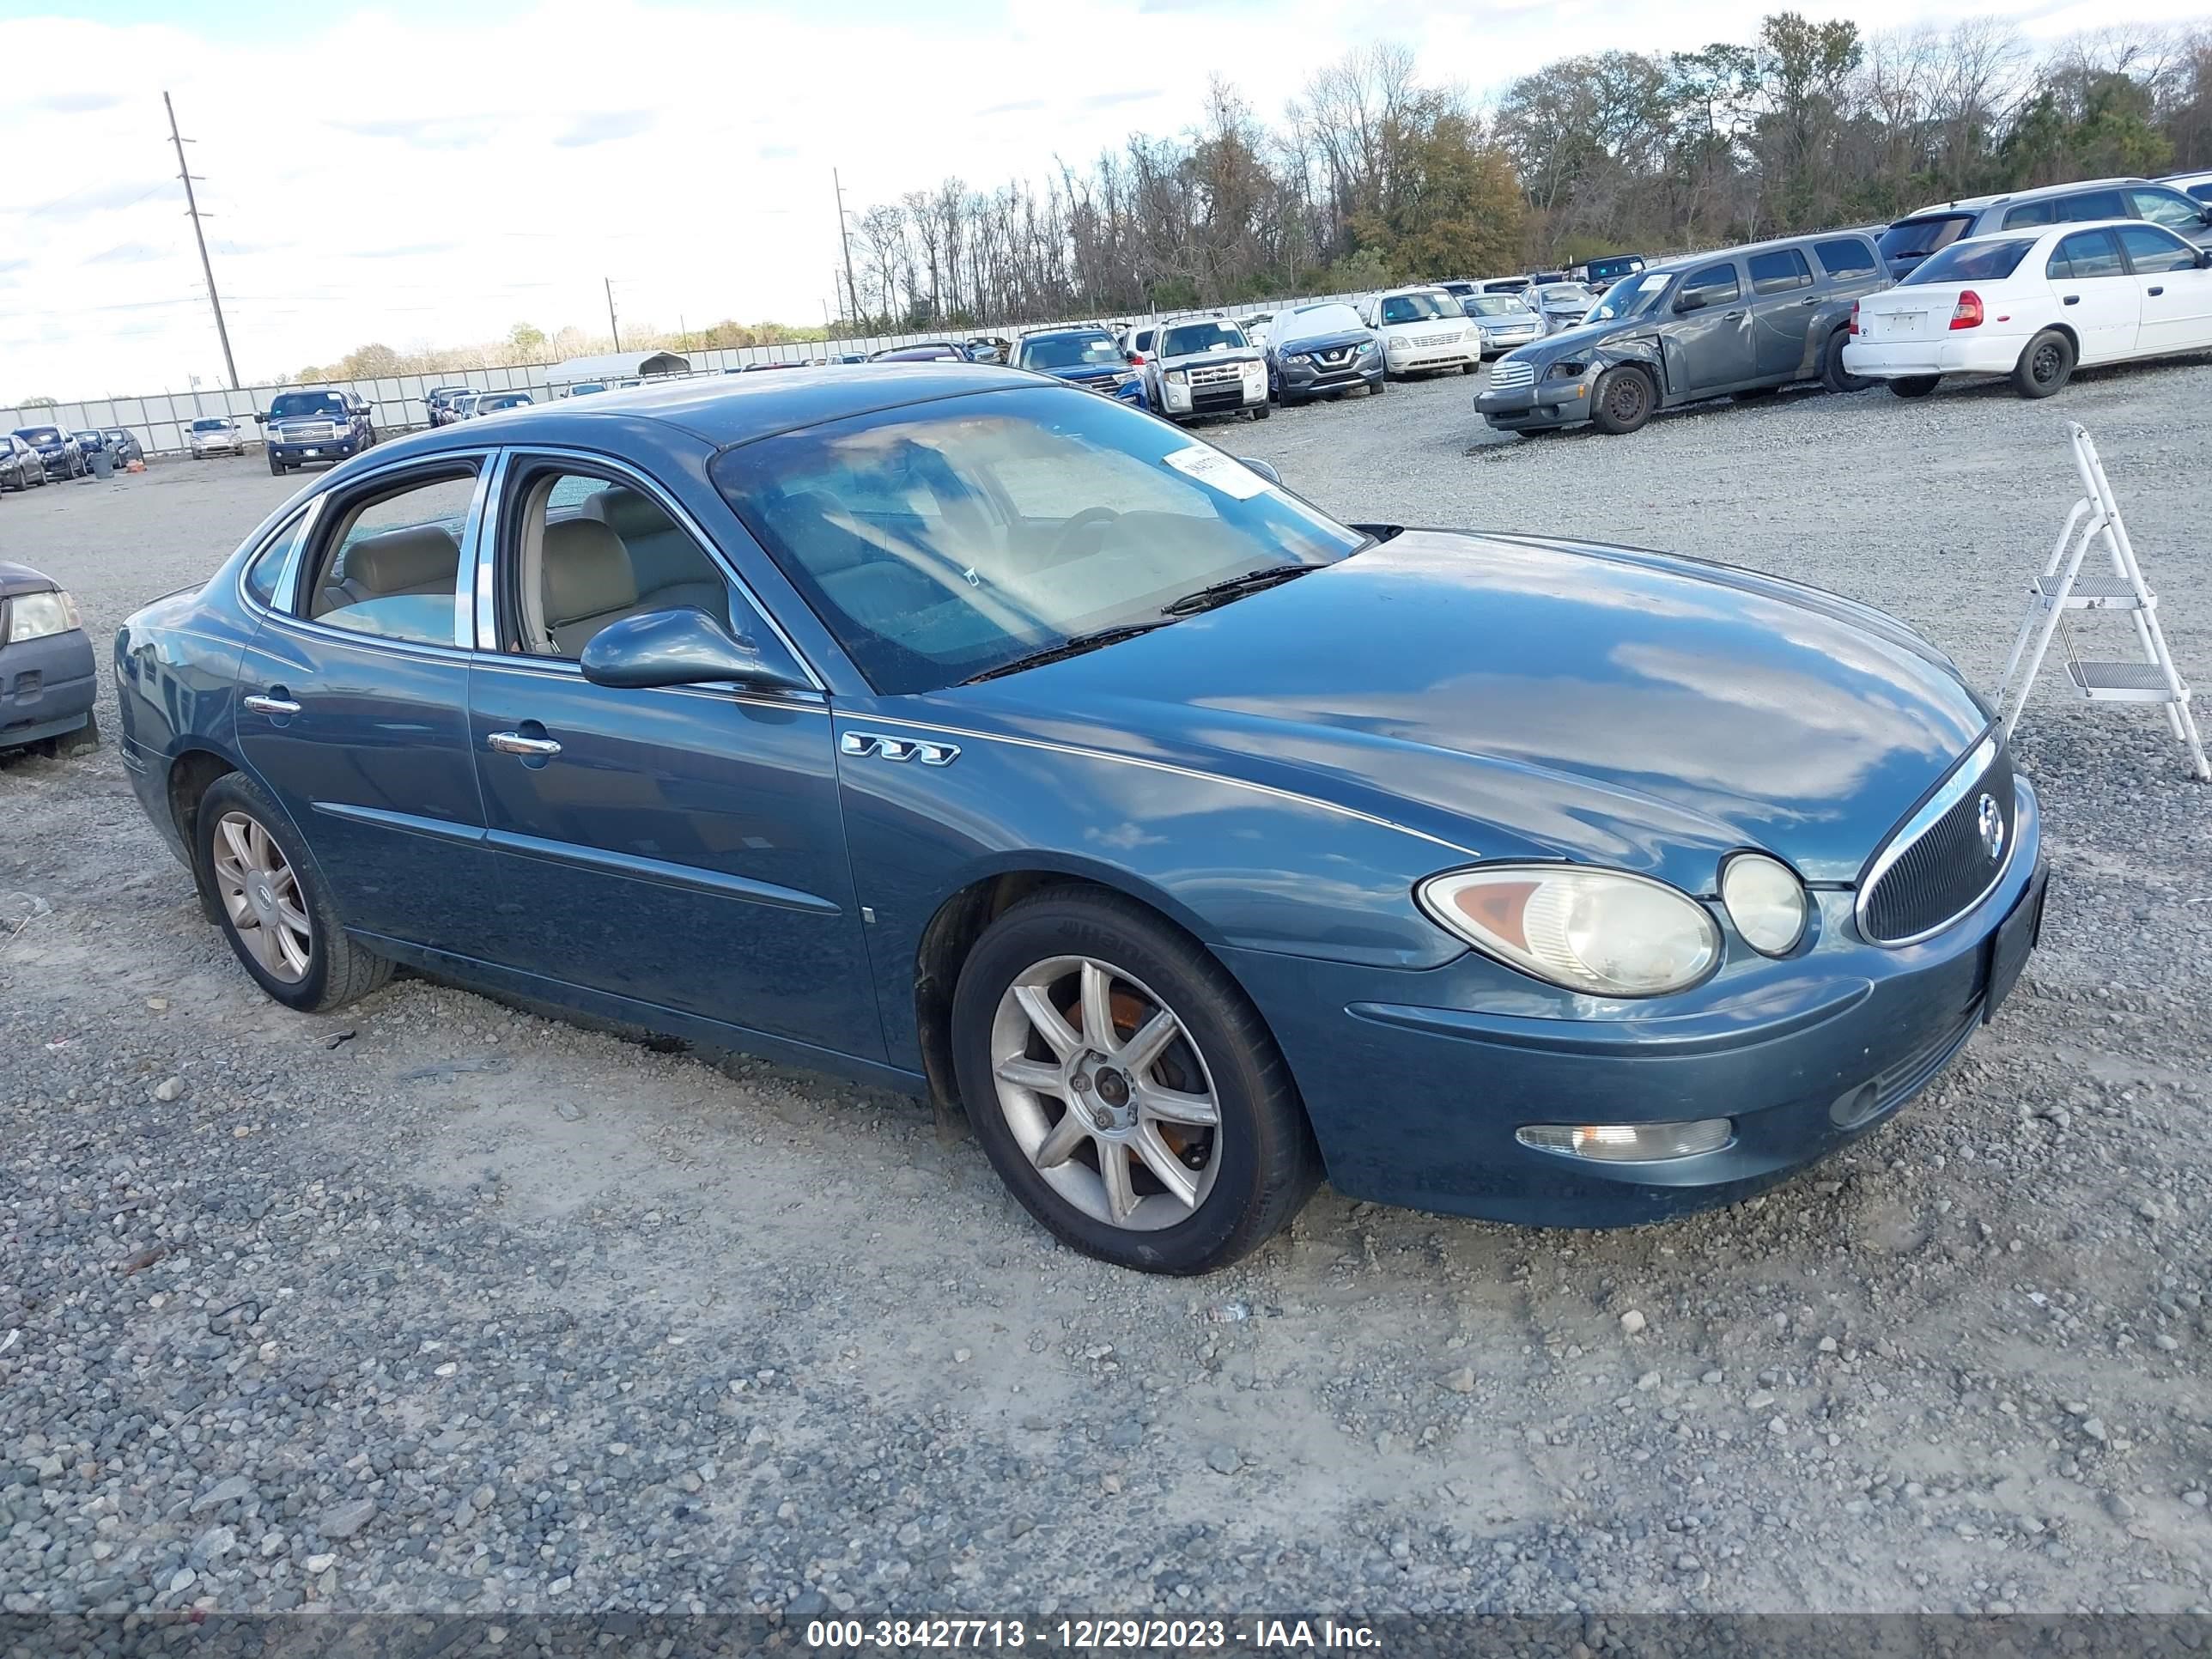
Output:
[[1423, 331]]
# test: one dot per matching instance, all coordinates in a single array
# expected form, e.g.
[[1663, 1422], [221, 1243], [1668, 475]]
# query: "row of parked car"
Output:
[[30, 455]]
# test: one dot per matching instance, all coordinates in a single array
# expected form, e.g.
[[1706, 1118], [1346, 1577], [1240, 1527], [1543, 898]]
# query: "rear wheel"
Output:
[[270, 903], [1622, 401], [1124, 1088], [1915, 385], [2045, 366], [1833, 375]]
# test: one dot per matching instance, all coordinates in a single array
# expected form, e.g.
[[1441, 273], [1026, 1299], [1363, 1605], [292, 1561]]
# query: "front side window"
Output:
[[2085, 253], [1779, 271], [1845, 256], [944, 541], [1192, 339], [1715, 285], [2168, 207], [579, 550], [2153, 251], [1982, 260], [390, 563]]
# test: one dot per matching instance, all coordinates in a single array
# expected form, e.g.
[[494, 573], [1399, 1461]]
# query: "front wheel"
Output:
[[1260, 411], [272, 908], [1621, 402], [1914, 386], [1124, 1088], [2045, 366], [276, 468]]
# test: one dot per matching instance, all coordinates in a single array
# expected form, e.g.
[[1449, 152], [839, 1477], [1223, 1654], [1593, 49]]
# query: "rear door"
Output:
[[354, 701], [2098, 296], [1782, 299], [2174, 292], [1708, 341]]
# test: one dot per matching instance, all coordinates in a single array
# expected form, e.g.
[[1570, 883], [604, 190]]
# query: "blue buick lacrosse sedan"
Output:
[[978, 735]]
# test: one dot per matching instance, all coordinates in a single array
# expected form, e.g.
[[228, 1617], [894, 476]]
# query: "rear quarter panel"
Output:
[[176, 689]]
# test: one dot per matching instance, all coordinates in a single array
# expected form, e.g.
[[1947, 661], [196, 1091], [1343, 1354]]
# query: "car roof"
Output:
[[1690, 261], [724, 409], [2066, 227], [1982, 204]]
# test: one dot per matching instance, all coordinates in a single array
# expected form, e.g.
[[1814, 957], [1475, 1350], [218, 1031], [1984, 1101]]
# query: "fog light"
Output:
[[1628, 1143]]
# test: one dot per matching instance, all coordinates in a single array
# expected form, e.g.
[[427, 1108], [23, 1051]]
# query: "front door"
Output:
[[2098, 298], [1708, 341], [354, 704], [2174, 292], [683, 847]]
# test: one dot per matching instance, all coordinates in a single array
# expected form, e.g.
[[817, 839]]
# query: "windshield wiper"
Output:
[[1074, 646], [1236, 588]]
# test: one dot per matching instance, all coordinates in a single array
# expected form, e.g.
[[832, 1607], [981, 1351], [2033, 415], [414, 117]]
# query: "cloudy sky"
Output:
[[431, 172]]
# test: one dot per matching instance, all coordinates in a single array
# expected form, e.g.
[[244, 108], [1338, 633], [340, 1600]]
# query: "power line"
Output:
[[192, 207]]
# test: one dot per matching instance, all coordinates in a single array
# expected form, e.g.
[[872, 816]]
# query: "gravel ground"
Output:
[[442, 1305]]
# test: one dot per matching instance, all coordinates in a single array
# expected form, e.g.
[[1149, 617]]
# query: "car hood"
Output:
[[1566, 341], [1345, 336], [1535, 699]]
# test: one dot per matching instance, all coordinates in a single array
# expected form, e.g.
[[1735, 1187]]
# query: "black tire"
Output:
[[1915, 385], [1469, 368], [276, 468], [1833, 375], [85, 737], [1289, 400], [1261, 411], [1263, 1164], [1623, 400], [338, 970], [2045, 366], [1381, 385]]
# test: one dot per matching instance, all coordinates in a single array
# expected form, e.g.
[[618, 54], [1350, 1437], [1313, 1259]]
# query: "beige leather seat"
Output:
[[670, 570], [422, 558], [588, 582]]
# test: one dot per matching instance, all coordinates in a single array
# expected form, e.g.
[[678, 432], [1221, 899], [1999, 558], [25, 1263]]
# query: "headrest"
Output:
[[587, 571], [627, 512], [400, 561]]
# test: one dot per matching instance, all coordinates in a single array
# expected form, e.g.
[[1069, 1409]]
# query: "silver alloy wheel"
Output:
[[1107, 1093], [261, 896]]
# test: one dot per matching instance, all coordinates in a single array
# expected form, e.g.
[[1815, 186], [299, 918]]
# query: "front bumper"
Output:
[[47, 686], [1225, 398], [1416, 1082], [1420, 360], [1546, 404], [291, 451], [1504, 339], [1308, 379], [1970, 351], [58, 463]]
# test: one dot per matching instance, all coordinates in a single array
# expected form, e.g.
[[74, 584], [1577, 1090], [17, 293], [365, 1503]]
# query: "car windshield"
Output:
[[1192, 338], [1971, 262], [944, 541], [1916, 238], [40, 434], [1311, 322], [211, 424], [1050, 351], [1493, 304], [1566, 294], [1629, 298], [1412, 308], [1612, 270], [306, 403]]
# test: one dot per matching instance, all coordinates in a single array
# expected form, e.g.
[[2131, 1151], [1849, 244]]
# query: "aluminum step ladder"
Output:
[[2149, 678]]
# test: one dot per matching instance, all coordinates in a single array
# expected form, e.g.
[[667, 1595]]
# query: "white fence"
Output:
[[160, 421]]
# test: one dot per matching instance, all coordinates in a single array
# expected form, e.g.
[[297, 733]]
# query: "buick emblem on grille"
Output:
[[1989, 820]]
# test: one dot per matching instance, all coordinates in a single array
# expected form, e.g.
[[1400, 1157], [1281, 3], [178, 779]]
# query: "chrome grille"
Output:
[[1941, 862], [1216, 375], [1435, 339], [1510, 374]]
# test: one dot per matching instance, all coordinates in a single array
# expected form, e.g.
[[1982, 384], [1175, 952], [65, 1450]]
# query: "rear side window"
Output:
[[2151, 251], [1716, 284], [1779, 271], [2086, 253], [2034, 213], [2168, 207], [2092, 204], [1916, 238], [1846, 256], [268, 566]]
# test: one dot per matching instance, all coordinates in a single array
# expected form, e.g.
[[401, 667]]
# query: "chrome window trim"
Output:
[[714, 691], [487, 617], [1966, 775], [870, 718], [288, 578]]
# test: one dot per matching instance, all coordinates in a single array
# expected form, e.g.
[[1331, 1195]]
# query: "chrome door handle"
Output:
[[514, 743], [1814, 300], [261, 705], [1731, 316]]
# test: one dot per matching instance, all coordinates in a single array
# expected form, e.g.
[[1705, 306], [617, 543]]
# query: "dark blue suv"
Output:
[[323, 425], [1087, 357]]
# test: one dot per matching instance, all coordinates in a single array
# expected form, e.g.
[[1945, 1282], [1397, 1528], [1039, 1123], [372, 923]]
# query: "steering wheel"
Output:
[[1064, 544]]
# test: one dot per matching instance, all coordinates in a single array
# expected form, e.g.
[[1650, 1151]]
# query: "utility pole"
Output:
[[613, 328], [852, 289], [192, 207]]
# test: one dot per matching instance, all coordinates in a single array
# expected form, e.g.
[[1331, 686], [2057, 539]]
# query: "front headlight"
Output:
[[1602, 932], [1565, 372], [1765, 901], [35, 615], [1370, 350], [1178, 377]]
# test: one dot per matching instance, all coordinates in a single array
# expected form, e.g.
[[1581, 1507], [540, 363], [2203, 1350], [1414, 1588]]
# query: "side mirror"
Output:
[[1265, 469], [261, 417], [1693, 301], [679, 647]]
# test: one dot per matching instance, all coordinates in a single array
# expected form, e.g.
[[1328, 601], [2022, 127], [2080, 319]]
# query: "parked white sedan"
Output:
[[2034, 305]]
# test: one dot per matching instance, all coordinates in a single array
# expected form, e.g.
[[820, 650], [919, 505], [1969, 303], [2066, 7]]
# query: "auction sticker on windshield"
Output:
[[1223, 472]]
